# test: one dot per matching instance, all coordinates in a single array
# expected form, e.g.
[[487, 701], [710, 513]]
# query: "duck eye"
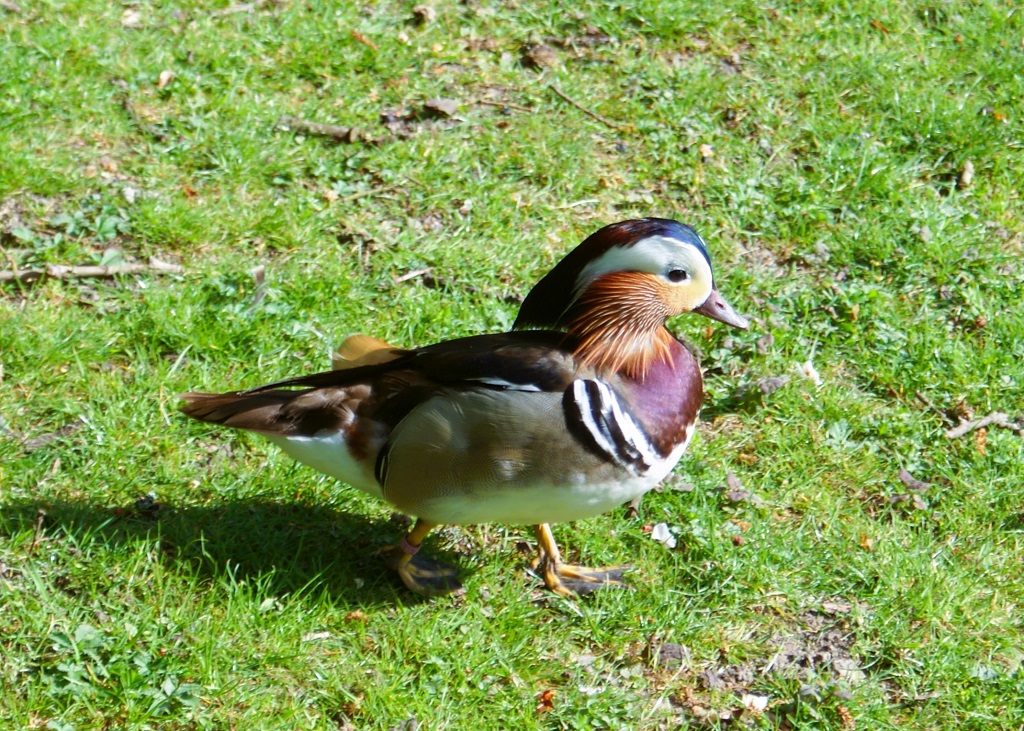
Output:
[[677, 275]]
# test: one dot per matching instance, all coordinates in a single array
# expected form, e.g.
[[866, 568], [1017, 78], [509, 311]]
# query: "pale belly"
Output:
[[533, 504], [572, 498], [446, 485], [529, 504]]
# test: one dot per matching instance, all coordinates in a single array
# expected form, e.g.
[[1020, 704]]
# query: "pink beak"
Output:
[[718, 309]]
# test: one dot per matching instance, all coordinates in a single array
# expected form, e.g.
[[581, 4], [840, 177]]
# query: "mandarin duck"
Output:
[[586, 404]]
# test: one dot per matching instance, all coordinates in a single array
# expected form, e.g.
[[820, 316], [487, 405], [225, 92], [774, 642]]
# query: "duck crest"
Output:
[[547, 303], [618, 324]]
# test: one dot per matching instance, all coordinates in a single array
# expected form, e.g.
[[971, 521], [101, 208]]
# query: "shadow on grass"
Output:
[[287, 547]]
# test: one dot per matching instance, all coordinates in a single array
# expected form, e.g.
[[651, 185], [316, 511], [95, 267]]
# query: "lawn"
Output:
[[844, 559]]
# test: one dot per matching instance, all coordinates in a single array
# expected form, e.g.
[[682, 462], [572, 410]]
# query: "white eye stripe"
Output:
[[654, 255]]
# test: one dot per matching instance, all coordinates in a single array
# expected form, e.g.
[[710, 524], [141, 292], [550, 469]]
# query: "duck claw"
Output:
[[422, 575], [569, 580]]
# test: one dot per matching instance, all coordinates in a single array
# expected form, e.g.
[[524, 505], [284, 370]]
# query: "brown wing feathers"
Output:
[[277, 411], [260, 412], [390, 388], [329, 401]]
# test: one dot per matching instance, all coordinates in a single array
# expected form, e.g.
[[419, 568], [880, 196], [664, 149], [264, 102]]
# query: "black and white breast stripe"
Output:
[[595, 416]]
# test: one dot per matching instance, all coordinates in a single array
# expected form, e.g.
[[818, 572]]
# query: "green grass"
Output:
[[252, 599]]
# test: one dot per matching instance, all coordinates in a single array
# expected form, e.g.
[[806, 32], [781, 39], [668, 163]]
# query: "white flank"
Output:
[[327, 452]]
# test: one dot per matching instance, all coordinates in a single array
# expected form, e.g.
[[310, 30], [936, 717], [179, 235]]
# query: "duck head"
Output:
[[614, 292]]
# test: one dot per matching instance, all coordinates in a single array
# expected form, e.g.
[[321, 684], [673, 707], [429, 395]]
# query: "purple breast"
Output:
[[666, 401]]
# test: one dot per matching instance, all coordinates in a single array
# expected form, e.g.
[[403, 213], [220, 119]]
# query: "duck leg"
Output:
[[565, 579], [421, 574]]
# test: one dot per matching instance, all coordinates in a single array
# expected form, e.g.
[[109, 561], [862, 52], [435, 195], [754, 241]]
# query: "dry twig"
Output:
[[143, 126], [412, 275], [996, 418], [239, 8], [924, 399], [40, 517], [433, 281], [370, 191], [259, 275], [505, 105], [362, 38], [317, 129], [60, 271], [590, 113]]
